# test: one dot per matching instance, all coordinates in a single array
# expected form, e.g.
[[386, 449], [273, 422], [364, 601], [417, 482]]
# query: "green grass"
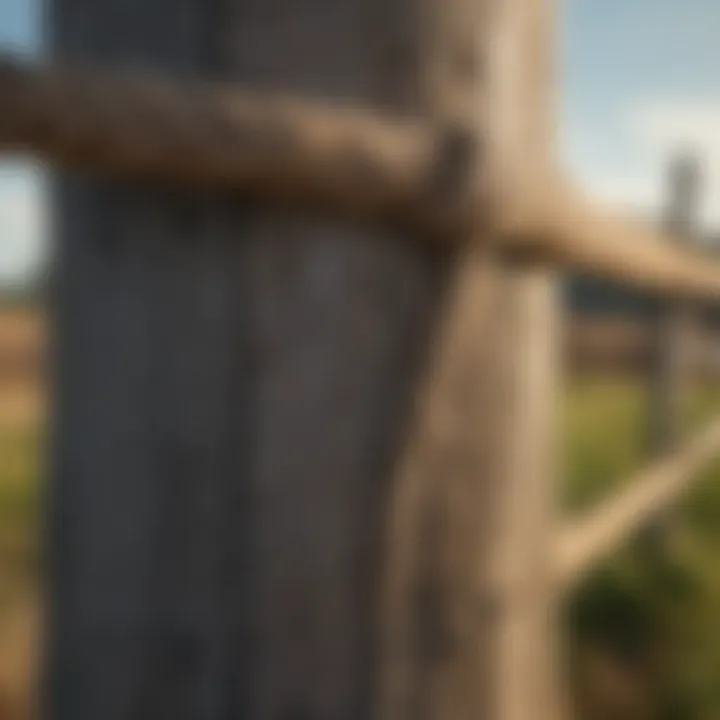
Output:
[[604, 434], [18, 473], [636, 599], [602, 439], [18, 511]]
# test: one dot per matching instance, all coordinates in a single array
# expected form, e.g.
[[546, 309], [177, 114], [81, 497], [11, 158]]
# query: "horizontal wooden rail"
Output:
[[582, 543], [137, 125], [562, 226]]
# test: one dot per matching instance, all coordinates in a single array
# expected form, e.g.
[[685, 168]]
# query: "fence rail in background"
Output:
[[586, 541], [467, 617], [567, 228], [215, 136]]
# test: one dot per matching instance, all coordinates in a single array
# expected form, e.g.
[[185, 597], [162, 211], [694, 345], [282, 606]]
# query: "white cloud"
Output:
[[631, 190], [628, 167], [624, 180], [660, 125], [23, 232], [661, 129]]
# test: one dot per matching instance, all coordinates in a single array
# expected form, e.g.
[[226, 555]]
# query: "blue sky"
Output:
[[639, 78], [20, 25], [23, 240]]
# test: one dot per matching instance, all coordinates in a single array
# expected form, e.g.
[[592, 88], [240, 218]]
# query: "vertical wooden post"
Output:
[[522, 518], [468, 626], [528, 652], [669, 370], [232, 384], [669, 373]]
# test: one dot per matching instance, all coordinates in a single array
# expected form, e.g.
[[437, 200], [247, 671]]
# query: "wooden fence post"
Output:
[[529, 653], [231, 381], [469, 629], [670, 369], [232, 385], [670, 365]]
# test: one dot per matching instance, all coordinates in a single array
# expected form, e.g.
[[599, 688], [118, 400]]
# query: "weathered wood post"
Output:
[[670, 369], [470, 595], [233, 385]]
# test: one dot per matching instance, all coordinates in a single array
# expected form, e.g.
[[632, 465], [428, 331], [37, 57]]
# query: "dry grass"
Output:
[[18, 661], [21, 413], [22, 336]]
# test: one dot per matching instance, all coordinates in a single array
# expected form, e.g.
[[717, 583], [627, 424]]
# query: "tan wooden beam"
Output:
[[138, 125], [141, 126], [585, 541], [469, 588], [554, 222]]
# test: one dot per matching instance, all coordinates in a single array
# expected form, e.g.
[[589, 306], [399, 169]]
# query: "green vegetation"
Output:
[[18, 511], [656, 615], [604, 434]]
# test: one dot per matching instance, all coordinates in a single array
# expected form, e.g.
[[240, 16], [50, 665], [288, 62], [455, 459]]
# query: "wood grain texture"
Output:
[[429, 650], [230, 384], [521, 572], [469, 585], [232, 387], [435, 648], [139, 125]]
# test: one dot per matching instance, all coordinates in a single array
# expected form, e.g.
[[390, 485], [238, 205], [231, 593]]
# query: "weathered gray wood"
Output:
[[471, 592], [230, 385], [427, 654], [525, 663]]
